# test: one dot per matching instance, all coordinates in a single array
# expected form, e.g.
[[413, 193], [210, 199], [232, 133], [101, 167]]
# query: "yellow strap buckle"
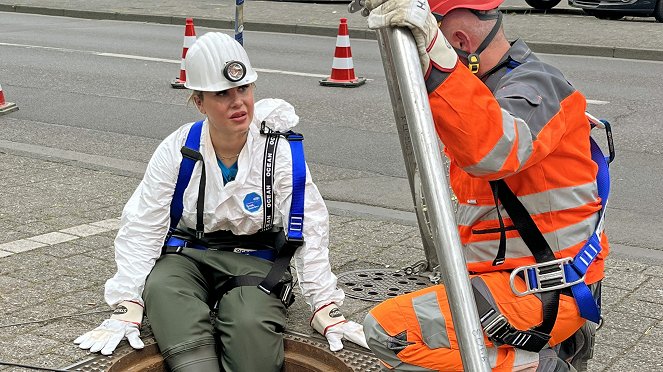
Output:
[[473, 63]]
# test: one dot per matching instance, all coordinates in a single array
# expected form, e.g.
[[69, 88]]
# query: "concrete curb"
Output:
[[539, 47]]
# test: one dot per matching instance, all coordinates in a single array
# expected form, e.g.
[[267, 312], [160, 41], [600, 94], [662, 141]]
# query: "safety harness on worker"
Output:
[[549, 276], [269, 243]]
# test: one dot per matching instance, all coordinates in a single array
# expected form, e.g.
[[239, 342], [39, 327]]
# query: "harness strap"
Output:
[[279, 266], [296, 218], [184, 176], [268, 181], [589, 307], [282, 290], [265, 254], [200, 203], [294, 236], [537, 244], [500, 331]]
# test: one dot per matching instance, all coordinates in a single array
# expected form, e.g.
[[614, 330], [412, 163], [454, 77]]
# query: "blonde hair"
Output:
[[194, 93]]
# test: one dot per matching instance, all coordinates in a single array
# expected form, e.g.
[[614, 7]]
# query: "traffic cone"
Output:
[[6, 107], [343, 72], [189, 39]]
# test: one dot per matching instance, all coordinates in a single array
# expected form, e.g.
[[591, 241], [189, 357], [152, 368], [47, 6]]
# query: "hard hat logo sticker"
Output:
[[234, 71]]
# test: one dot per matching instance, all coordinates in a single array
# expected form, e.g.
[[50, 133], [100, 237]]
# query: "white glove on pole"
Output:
[[415, 15], [330, 322], [125, 322]]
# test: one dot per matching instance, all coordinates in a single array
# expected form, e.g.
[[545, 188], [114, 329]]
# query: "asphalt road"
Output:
[[101, 88]]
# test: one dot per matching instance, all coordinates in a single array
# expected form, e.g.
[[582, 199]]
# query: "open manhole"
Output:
[[302, 354], [380, 284]]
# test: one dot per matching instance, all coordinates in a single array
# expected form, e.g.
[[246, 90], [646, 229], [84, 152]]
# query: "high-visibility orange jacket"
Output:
[[525, 125]]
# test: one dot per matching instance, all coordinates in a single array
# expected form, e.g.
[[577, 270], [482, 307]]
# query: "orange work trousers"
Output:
[[414, 332]]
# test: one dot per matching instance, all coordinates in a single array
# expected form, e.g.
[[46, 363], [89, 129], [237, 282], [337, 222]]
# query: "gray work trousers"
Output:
[[246, 334]]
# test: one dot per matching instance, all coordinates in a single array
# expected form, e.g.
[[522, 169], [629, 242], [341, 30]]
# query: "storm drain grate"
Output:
[[380, 284]]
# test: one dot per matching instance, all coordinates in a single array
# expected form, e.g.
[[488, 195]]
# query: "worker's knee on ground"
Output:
[[384, 346], [192, 356]]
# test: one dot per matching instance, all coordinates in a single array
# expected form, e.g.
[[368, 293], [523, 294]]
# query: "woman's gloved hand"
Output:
[[330, 322], [125, 322]]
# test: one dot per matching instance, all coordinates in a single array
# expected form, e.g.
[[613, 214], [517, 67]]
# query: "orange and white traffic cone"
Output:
[[343, 72], [6, 107], [189, 39]]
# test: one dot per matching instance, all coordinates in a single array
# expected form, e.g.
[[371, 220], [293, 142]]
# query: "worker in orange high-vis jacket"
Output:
[[516, 133]]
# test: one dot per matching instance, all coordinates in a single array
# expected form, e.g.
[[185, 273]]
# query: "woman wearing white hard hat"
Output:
[[233, 200]]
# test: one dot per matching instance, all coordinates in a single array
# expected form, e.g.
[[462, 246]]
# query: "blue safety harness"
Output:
[[178, 239], [549, 276]]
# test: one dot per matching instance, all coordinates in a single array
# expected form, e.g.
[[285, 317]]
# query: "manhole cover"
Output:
[[302, 354], [380, 284]]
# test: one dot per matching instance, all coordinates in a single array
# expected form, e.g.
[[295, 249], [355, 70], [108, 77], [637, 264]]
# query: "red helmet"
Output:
[[443, 7]]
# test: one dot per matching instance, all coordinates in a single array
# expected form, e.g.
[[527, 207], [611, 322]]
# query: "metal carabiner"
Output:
[[543, 277]]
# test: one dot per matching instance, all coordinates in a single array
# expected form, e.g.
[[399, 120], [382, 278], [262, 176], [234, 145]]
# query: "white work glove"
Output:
[[415, 15], [330, 322], [125, 322]]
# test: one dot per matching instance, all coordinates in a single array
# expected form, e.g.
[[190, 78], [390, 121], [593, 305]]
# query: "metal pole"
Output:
[[401, 61], [410, 164], [239, 21]]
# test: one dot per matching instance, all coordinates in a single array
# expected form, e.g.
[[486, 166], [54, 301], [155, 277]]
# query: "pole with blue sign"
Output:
[[239, 21]]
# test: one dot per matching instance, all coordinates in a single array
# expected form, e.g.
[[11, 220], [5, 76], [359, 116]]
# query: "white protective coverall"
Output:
[[146, 216]]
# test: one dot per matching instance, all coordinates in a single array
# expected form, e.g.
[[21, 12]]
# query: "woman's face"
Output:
[[229, 111]]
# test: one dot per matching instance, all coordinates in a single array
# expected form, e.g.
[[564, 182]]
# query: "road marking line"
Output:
[[597, 102], [140, 58], [65, 235], [151, 59], [290, 73]]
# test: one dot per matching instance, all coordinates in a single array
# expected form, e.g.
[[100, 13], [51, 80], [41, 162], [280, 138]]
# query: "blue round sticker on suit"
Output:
[[252, 202]]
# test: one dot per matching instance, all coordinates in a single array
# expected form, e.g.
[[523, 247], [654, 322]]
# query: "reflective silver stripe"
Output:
[[468, 214], [494, 160], [378, 341], [547, 201], [431, 321], [525, 142], [524, 358], [516, 248]]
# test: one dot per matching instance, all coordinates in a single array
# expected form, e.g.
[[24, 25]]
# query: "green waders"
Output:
[[247, 334]]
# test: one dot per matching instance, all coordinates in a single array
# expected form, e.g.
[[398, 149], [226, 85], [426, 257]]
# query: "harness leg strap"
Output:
[[282, 291], [501, 332]]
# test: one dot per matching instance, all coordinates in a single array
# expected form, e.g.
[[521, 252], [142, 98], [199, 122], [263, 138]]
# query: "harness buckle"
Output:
[[543, 277], [297, 242], [530, 340], [287, 296], [497, 327], [500, 331]]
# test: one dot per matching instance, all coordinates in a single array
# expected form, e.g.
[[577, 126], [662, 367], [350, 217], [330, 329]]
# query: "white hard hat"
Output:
[[217, 62]]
